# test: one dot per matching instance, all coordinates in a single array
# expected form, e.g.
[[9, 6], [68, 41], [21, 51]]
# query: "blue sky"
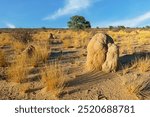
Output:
[[56, 13]]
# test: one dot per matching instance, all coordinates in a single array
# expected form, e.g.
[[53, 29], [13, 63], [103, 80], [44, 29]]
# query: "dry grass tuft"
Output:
[[135, 83], [143, 64], [138, 85], [18, 46], [2, 59], [142, 90], [5, 39], [42, 52], [40, 55], [53, 79], [18, 70]]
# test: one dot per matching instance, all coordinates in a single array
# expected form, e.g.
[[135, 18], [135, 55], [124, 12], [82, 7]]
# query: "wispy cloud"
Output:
[[71, 7], [133, 22], [9, 25]]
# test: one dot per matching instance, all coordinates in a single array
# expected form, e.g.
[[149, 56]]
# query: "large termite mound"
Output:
[[99, 53]]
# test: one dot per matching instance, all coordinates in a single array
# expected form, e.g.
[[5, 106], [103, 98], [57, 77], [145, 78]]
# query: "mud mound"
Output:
[[102, 50]]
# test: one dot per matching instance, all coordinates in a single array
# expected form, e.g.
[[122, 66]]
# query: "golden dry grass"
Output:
[[16, 73], [40, 55], [53, 79], [142, 64], [18, 46], [18, 70], [127, 41], [5, 39], [42, 52], [2, 59], [67, 43], [41, 36], [134, 82]]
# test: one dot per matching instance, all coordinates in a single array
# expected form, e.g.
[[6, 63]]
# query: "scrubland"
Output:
[[50, 64]]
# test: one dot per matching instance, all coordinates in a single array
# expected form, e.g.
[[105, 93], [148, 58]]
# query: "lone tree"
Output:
[[78, 22], [111, 27], [121, 27]]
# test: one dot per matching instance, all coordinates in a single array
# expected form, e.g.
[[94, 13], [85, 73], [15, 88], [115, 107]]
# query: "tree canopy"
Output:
[[78, 22]]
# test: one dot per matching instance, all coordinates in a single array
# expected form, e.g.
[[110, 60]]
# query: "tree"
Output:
[[111, 27], [78, 22], [121, 27]]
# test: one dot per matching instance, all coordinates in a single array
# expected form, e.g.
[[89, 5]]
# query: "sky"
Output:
[[56, 13]]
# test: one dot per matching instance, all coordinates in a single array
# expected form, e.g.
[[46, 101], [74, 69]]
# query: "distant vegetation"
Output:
[[147, 27], [117, 27], [78, 22]]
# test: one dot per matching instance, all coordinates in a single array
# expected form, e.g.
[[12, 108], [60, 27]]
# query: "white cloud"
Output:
[[9, 25], [71, 7], [133, 22]]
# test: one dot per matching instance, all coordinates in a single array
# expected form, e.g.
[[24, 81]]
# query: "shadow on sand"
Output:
[[128, 59], [89, 78], [60, 54]]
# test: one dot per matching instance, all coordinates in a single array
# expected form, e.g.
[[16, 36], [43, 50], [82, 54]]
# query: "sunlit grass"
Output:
[[53, 79]]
